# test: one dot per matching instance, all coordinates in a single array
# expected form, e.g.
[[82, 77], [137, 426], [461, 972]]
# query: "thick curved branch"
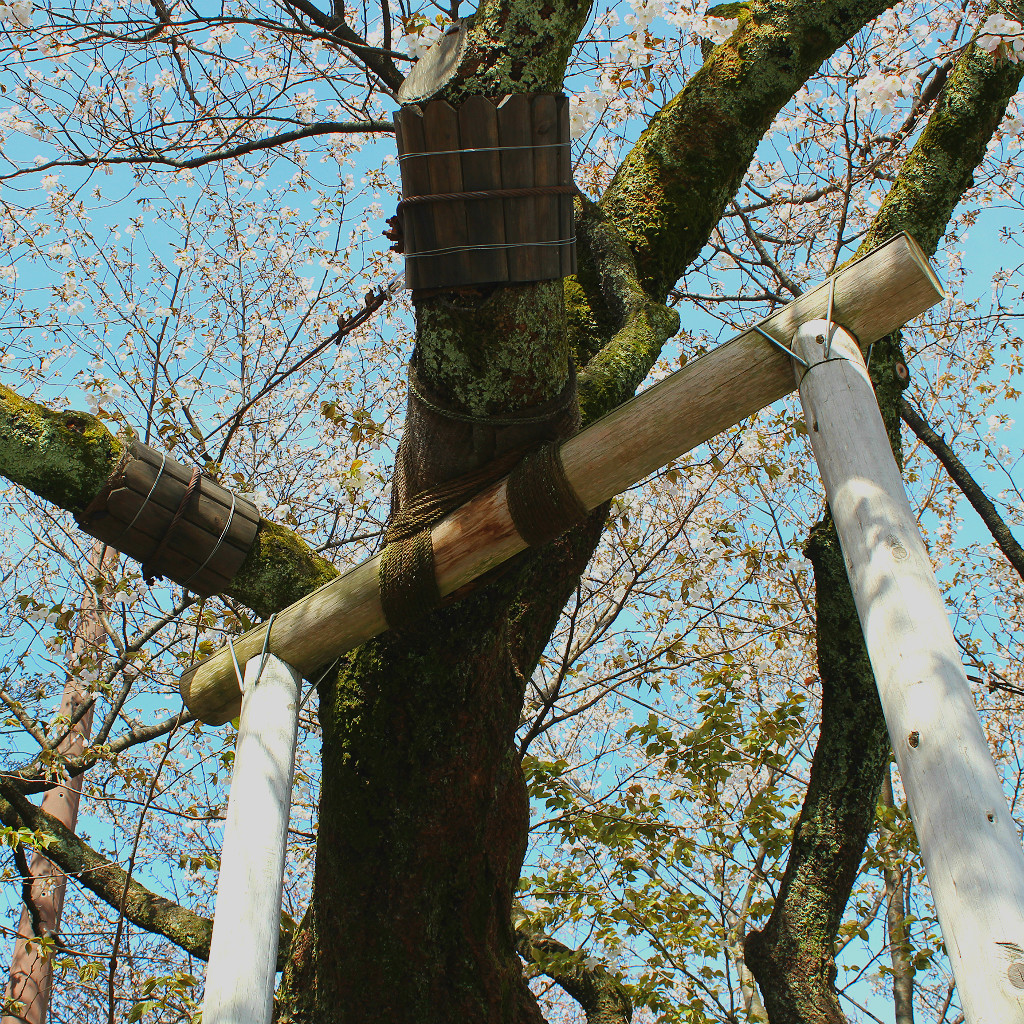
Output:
[[940, 168], [607, 301], [107, 880], [972, 491], [78, 860], [672, 188], [599, 993]]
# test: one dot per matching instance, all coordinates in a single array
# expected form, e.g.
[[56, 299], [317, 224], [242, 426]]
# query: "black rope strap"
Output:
[[150, 570], [408, 584], [542, 413], [541, 500]]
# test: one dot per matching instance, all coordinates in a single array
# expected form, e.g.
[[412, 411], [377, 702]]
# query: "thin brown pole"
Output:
[[31, 976]]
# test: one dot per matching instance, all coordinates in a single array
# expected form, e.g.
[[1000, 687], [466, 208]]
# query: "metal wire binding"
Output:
[[160, 473], [263, 655], [216, 547], [315, 683], [266, 644], [828, 315], [496, 245], [482, 149], [778, 344], [238, 671]]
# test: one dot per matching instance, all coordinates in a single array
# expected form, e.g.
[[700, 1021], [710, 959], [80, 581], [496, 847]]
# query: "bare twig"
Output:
[[971, 489], [159, 160]]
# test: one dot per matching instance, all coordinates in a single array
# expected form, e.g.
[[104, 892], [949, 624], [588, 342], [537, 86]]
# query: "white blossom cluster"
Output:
[[1000, 35], [881, 91], [18, 13], [586, 108]]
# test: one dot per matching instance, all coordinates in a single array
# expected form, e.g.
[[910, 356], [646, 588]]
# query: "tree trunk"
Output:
[[31, 975], [423, 812], [792, 957]]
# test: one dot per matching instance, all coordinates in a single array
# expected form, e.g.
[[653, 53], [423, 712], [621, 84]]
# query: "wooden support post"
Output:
[[247, 922], [873, 296], [968, 840]]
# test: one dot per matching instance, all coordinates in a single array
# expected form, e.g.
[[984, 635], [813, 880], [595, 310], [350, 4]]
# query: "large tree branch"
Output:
[[972, 491], [371, 57], [66, 458], [672, 188], [76, 859], [940, 168]]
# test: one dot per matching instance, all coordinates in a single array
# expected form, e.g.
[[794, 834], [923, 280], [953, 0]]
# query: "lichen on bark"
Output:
[[63, 457]]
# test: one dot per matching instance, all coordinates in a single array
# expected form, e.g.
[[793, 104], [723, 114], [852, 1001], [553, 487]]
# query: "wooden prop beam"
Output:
[[968, 839], [247, 921], [873, 296]]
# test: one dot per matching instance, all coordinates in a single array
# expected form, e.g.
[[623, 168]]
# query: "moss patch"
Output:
[[64, 457], [279, 569]]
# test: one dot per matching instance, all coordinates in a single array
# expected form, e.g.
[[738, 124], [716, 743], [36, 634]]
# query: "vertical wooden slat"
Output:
[[408, 223], [566, 218], [441, 127], [478, 129], [416, 182], [545, 172], [517, 172]]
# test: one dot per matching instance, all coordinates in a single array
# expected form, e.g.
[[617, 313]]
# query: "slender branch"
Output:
[[26, 723], [156, 159], [27, 878], [119, 931], [972, 491], [370, 57]]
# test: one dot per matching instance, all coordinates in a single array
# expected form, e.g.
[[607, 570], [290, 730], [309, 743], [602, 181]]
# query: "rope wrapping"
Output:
[[445, 458], [408, 587], [541, 500]]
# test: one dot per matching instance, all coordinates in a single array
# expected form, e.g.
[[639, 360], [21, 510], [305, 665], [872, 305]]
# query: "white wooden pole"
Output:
[[969, 843], [243, 952]]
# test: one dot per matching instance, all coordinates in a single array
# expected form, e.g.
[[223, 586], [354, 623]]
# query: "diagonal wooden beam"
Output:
[[872, 297]]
